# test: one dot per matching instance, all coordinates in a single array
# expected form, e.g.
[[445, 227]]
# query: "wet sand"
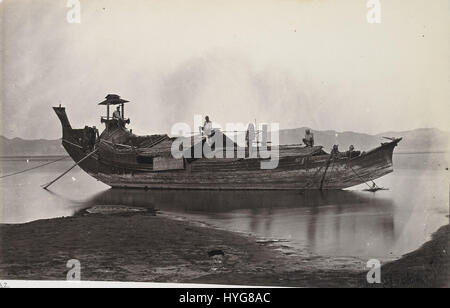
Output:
[[140, 246], [428, 266]]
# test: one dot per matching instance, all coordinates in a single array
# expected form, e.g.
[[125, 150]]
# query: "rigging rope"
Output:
[[29, 169], [76, 145]]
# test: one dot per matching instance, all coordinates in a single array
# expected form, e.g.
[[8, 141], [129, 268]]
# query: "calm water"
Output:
[[355, 223]]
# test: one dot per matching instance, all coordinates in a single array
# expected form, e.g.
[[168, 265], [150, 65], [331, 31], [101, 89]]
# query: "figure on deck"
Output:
[[250, 150], [250, 135], [95, 136], [335, 151], [90, 137], [116, 114], [309, 138], [351, 152], [207, 128]]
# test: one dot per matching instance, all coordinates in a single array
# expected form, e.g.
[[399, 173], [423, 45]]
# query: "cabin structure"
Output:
[[109, 120]]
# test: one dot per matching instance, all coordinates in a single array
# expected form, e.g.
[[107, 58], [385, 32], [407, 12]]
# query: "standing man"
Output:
[[95, 136], [208, 131], [207, 127]]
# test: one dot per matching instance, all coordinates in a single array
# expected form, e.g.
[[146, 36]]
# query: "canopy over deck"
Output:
[[113, 99]]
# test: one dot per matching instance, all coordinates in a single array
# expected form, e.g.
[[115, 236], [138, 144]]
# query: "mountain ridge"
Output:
[[416, 140]]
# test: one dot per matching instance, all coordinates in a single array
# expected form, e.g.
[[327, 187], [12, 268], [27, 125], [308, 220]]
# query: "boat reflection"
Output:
[[329, 222], [208, 201]]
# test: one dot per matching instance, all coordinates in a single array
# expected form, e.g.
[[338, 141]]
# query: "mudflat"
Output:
[[141, 246]]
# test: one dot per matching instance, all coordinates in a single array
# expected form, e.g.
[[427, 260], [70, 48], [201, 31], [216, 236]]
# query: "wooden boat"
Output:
[[119, 158]]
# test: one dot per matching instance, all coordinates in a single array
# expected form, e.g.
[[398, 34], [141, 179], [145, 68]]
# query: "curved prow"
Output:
[[61, 113], [78, 143], [70, 137]]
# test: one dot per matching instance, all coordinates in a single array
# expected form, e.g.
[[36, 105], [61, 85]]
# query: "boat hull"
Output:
[[294, 172], [291, 173]]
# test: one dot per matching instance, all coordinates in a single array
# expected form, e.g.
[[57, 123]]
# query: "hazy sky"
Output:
[[314, 63]]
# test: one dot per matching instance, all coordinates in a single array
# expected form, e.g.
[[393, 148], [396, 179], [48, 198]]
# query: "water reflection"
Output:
[[340, 223], [217, 201], [330, 222]]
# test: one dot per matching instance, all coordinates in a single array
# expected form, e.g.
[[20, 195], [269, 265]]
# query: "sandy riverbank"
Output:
[[144, 247], [428, 266]]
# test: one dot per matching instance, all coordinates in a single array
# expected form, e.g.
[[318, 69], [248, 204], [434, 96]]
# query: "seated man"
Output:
[[335, 151], [116, 114], [118, 117], [309, 138], [351, 152]]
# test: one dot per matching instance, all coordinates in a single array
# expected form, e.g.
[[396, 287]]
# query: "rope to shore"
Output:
[[29, 169], [45, 186]]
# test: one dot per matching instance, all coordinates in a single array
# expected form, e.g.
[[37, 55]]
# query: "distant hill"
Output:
[[418, 140], [20, 147]]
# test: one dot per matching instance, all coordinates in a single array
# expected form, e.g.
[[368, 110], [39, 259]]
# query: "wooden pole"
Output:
[[107, 118], [325, 172], [64, 173], [123, 111]]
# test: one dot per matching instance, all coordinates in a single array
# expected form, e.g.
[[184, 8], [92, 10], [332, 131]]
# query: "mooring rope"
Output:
[[45, 186], [363, 179], [333, 167], [330, 160], [32, 168], [315, 173]]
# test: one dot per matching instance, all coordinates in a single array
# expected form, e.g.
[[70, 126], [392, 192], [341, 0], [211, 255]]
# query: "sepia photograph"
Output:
[[203, 145]]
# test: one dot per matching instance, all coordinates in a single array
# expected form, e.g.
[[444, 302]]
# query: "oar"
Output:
[[64, 173]]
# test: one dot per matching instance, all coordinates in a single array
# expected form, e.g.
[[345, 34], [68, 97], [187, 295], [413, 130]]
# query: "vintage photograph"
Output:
[[223, 143]]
